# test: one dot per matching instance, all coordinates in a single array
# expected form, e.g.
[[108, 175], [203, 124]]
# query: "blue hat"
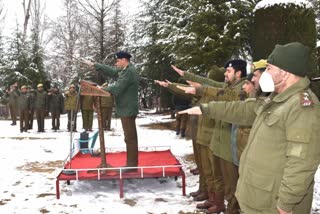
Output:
[[238, 65], [122, 54]]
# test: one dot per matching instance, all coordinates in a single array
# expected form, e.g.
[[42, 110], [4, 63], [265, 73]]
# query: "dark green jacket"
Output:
[[56, 102], [41, 101], [24, 103], [12, 97], [125, 90], [277, 166]]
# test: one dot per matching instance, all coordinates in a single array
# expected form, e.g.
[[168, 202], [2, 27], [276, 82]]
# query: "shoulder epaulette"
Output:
[[305, 99]]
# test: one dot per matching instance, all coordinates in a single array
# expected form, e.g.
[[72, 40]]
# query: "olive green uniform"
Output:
[[13, 104], [24, 107], [41, 108], [125, 93], [220, 143], [87, 112], [106, 110], [283, 151], [56, 105], [194, 121], [31, 94]]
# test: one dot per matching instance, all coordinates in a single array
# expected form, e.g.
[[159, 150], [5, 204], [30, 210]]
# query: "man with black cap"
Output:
[[125, 93], [283, 152]]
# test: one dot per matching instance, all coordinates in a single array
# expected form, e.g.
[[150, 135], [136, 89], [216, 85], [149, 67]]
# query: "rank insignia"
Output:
[[306, 99]]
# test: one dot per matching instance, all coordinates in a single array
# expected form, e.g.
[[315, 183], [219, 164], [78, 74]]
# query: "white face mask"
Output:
[[266, 82]]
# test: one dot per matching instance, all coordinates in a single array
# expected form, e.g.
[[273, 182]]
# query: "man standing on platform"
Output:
[[125, 93]]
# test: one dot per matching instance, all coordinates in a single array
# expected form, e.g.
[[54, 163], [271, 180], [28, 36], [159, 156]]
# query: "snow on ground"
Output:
[[29, 160], [28, 163]]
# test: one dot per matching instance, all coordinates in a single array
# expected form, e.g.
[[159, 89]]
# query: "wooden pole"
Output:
[[101, 135]]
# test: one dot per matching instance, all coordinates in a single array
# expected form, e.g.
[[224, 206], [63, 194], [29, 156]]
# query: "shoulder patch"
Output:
[[305, 99]]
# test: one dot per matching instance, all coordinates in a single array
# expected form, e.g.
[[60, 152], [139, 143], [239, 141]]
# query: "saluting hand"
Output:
[[194, 84], [161, 83], [194, 110], [187, 90], [179, 71]]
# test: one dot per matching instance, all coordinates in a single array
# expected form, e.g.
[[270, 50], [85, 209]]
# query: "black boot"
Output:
[[183, 133], [177, 131]]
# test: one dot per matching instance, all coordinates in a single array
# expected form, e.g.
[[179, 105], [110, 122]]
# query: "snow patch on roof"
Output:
[[269, 3]]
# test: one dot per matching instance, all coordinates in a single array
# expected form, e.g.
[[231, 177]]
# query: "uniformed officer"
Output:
[[106, 110], [56, 104], [31, 94], [71, 105], [13, 95], [24, 107], [87, 106], [221, 144], [283, 152], [41, 106], [125, 93]]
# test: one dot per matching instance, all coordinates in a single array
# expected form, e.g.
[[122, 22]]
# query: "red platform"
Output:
[[152, 164]]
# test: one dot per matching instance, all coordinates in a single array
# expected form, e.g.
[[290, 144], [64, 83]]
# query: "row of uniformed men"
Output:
[[274, 132], [27, 102]]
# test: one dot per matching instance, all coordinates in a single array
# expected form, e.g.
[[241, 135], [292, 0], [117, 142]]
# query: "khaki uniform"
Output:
[[194, 121], [71, 105], [87, 112], [106, 110], [283, 151], [220, 144]]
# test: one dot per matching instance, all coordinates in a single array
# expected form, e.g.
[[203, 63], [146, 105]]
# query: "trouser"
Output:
[[131, 139], [214, 182], [181, 121], [55, 117], [24, 118], [218, 185], [106, 117], [13, 113], [194, 129], [30, 123], [72, 117], [87, 119], [40, 114], [230, 178]]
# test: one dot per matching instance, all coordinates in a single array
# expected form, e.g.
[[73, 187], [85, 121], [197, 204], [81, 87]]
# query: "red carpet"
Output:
[[159, 159], [152, 164]]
